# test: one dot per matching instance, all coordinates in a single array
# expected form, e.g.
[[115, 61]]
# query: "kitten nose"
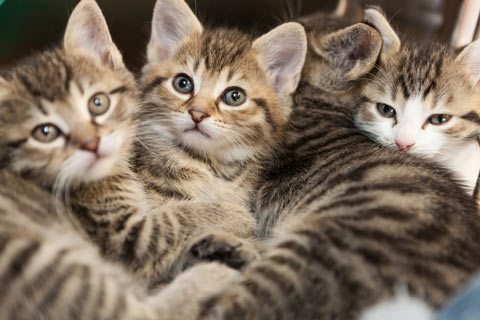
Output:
[[404, 145], [198, 116], [91, 145]]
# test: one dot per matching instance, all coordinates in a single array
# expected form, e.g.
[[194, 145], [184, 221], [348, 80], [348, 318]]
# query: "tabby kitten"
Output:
[[216, 104], [352, 220], [426, 101], [49, 271], [215, 107], [68, 122]]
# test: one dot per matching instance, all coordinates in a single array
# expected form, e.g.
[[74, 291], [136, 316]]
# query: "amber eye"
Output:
[[98, 104], [183, 84], [235, 97], [386, 111], [46, 133], [439, 119]]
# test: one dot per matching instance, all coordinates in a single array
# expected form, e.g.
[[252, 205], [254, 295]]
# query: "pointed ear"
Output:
[[352, 51], [391, 42], [173, 22], [282, 54], [87, 34], [470, 57]]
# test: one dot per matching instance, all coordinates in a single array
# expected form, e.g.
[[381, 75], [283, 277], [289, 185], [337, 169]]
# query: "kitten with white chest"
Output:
[[425, 100]]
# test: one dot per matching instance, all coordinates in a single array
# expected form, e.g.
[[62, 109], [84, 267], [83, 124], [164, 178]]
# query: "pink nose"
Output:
[[198, 116], [404, 145]]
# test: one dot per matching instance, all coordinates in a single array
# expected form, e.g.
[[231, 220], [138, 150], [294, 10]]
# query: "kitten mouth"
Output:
[[196, 129]]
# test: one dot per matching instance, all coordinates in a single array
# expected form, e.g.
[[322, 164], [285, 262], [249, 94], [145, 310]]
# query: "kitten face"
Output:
[[421, 101], [216, 104], [218, 94], [67, 115], [63, 117]]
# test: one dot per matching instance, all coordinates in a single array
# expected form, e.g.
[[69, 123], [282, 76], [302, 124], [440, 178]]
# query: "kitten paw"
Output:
[[225, 248]]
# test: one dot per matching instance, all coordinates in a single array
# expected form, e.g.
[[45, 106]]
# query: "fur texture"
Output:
[[351, 220]]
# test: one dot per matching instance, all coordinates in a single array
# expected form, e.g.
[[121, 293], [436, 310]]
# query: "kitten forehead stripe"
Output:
[[471, 116], [121, 89], [263, 104], [152, 85]]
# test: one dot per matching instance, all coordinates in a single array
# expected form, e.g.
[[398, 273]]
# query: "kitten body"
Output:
[[216, 102], [50, 271], [350, 220]]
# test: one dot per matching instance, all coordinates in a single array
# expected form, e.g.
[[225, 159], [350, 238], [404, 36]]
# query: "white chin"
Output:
[[88, 168], [99, 169], [196, 140]]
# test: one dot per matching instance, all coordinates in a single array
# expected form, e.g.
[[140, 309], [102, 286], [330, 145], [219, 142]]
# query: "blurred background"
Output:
[[27, 26]]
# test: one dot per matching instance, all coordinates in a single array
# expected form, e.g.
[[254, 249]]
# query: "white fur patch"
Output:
[[401, 307]]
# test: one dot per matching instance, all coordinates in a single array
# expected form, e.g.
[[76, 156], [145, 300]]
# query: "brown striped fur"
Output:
[[349, 220], [49, 271]]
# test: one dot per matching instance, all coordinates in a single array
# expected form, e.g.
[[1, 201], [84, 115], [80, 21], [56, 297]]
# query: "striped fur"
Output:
[[349, 220], [49, 271]]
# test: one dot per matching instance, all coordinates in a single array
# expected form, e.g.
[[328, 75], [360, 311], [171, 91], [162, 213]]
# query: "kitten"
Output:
[[215, 106], [424, 101], [68, 119], [49, 271], [350, 220]]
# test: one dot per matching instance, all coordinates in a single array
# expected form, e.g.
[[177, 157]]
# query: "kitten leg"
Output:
[[223, 247]]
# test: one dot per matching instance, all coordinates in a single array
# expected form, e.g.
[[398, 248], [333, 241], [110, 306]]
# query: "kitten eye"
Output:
[[183, 84], [235, 97], [439, 119], [386, 111], [46, 133], [98, 104]]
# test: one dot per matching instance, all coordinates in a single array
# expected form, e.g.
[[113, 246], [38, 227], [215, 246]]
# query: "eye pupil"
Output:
[[236, 95]]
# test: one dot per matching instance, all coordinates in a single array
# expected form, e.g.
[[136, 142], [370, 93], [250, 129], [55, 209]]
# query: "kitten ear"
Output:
[[173, 21], [282, 54], [470, 56], [87, 34], [352, 51], [391, 42]]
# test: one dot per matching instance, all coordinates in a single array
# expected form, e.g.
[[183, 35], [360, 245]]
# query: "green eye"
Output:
[[439, 119], [46, 133], [235, 97], [183, 84], [98, 104], [386, 111]]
